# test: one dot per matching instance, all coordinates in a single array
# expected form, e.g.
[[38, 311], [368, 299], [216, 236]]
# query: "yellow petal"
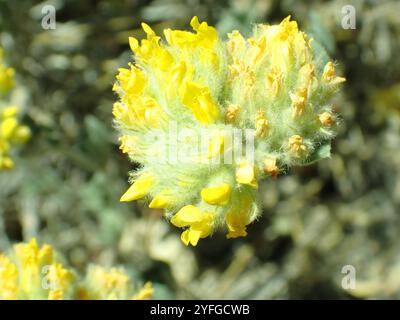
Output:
[[205, 225], [194, 23], [236, 233], [139, 188], [194, 237], [162, 200], [7, 127], [153, 114], [258, 50], [245, 174], [131, 81], [185, 237], [10, 111], [239, 217], [274, 82], [191, 92], [209, 57], [206, 36], [175, 79], [149, 31], [179, 38], [145, 293], [198, 98], [236, 42], [186, 216], [55, 294], [133, 43], [329, 74], [46, 254], [217, 195], [216, 146]]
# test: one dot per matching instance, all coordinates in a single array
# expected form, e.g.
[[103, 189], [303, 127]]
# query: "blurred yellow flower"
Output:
[[6, 75], [31, 272], [11, 131]]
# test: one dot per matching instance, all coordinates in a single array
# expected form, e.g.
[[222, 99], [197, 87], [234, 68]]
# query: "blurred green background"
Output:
[[67, 182]]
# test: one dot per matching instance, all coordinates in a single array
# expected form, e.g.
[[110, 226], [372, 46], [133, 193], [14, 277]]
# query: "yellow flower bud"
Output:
[[329, 74], [326, 119], [232, 112], [261, 124], [296, 145], [270, 167], [299, 100]]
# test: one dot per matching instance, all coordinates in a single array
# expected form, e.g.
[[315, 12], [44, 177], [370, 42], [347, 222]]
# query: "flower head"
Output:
[[36, 274], [195, 88]]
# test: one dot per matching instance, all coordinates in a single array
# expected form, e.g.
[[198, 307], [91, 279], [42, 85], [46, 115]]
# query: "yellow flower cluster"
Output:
[[31, 272], [11, 131], [6, 76], [269, 83]]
